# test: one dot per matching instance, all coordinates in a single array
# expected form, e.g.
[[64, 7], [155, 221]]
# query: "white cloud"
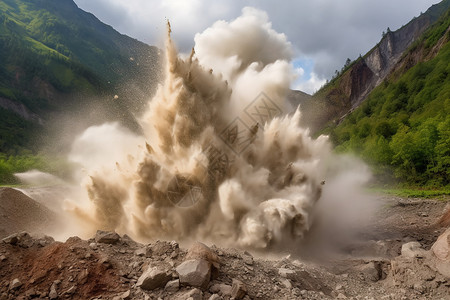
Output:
[[326, 31], [299, 72], [309, 86]]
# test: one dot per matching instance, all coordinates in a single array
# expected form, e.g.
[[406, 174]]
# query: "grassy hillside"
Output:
[[60, 63], [403, 127], [56, 58]]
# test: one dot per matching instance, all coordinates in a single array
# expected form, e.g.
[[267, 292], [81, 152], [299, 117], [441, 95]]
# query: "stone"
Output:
[[153, 278], [22, 239], [3, 258], [371, 271], [15, 284], [172, 286], [143, 251], [31, 293], [71, 290], [214, 297], [161, 248], [126, 295], [221, 288], [11, 239], [441, 248], [441, 253], [53, 294], [194, 294], [248, 260], [341, 296], [106, 237], [200, 251], [412, 250], [287, 273], [238, 289], [286, 282], [45, 240], [195, 272]]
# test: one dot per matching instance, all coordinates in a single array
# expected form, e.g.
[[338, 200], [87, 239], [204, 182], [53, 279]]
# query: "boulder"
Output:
[[441, 248], [195, 272], [153, 278], [106, 237], [441, 253]]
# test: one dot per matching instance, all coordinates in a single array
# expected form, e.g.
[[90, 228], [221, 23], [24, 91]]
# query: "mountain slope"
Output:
[[356, 81], [403, 127], [56, 58]]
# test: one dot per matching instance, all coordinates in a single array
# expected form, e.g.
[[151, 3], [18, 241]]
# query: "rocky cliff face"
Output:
[[351, 88], [372, 69]]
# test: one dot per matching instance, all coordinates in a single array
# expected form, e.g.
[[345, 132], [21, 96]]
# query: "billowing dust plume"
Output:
[[220, 160]]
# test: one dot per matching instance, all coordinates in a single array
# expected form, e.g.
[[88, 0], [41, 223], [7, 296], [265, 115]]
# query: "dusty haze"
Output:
[[220, 159]]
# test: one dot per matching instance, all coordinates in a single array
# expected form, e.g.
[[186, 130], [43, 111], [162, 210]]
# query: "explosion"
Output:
[[219, 159]]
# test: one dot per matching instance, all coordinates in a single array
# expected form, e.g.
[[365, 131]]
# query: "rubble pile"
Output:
[[110, 266]]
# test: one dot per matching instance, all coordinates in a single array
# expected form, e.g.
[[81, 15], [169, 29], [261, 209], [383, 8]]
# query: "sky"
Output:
[[323, 33]]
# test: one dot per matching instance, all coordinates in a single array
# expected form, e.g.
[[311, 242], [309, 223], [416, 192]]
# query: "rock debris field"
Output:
[[404, 254]]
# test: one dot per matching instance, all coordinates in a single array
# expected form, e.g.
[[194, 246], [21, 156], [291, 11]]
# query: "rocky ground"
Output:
[[397, 256]]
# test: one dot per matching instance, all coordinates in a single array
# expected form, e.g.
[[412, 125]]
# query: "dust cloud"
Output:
[[220, 159]]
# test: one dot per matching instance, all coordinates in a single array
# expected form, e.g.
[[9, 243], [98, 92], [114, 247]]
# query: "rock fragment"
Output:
[[195, 272], [286, 282], [124, 296], [238, 289], [200, 251], [153, 278], [412, 250], [53, 294], [371, 271], [172, 286], [287, 273], [22, 239], [15, 284], [194, 294], [214, 297], [221, 288], [143, 251], [107, 237]]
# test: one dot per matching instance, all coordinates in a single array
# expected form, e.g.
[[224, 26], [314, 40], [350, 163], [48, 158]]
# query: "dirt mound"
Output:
[[19, 212]]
